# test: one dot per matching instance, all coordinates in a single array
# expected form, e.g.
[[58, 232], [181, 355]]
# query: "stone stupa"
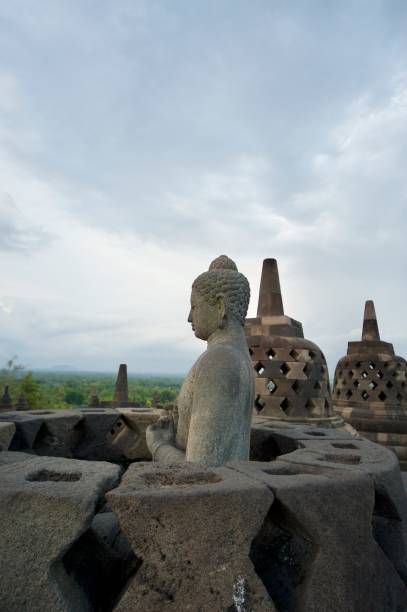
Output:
[[121, 391], [94, 401], [120, 395], [292, 383], [370, 388], [21, 403], [6, 402]]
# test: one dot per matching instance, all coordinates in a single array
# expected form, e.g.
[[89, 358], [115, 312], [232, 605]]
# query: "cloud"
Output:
[[137, 143], [10, 95], [6, 305], [359, 186], [15, 233]]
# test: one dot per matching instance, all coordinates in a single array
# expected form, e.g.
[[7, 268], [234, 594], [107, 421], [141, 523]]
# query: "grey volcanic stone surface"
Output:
[[7, 431], [45, 505], [316, 551], [193, 528], [59, 434], [96, 427], [332, 540], [46, 432], [316, 522], [106, 434], [344, 495], [128, 434], [27, 428]]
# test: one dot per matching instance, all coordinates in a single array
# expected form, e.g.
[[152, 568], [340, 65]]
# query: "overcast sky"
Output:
[[141, 139]]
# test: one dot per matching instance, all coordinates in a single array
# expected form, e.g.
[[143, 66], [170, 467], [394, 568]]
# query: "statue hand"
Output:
[[159, 433]]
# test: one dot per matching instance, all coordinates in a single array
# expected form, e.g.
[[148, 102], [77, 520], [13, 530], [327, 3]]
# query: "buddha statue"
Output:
[[216, 399]]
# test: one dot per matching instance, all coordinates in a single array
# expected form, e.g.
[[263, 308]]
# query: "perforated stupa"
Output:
[[292, 381], [370, 388]]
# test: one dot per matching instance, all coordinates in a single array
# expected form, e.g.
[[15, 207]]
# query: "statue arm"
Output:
[[160, 439], [166, 453]]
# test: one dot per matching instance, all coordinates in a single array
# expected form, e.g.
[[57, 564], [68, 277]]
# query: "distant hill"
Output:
[[57, 368], [67, 369]]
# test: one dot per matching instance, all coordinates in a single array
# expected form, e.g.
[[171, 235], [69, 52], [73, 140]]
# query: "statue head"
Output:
[[220, 298]]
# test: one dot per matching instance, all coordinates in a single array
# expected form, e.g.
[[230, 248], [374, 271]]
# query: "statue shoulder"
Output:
[[221, 356]]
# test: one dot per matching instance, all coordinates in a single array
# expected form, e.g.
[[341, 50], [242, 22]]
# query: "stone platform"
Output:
[[315, 522], [111, 434]]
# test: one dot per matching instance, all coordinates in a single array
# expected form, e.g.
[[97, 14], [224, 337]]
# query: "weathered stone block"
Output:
[[268, 442], [193, 528], [7, 431], [316, 550], [60, 432], [27, 428], [334, 453], [106, 434], [45, 505], [128, 434], [96, 426]]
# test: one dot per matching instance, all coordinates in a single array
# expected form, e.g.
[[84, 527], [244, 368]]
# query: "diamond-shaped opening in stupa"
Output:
[[259, 367], [307, 369], [284, 369], [296, 387], [271, 386], [259, 403], [285, 404]]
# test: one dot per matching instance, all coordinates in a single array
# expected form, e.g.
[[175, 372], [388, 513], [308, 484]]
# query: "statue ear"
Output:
[[221, 306]]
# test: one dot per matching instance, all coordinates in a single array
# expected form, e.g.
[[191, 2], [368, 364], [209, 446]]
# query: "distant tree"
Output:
[[31, 390], [167, 395], [64, 390], [11, 371], [75, 398]]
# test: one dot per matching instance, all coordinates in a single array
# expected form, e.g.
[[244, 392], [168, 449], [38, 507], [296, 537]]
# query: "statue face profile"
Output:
[[205, 316]]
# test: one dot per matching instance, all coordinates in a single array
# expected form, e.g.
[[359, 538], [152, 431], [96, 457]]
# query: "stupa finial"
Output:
[[370, 331], [270, 300]]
